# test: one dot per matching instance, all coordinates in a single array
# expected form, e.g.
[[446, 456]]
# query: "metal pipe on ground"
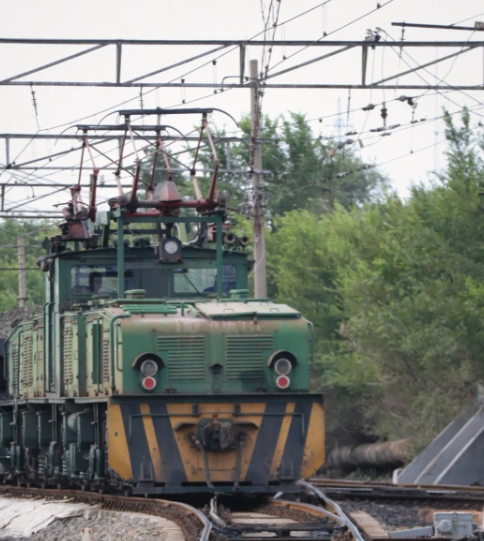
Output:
[[381, 455]]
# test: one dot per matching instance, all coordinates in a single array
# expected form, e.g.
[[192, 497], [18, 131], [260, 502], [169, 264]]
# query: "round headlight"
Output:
[[149, 368], [170, 247], [283, 367]]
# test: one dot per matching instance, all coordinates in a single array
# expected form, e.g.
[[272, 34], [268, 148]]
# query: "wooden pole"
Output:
[[260, 278], [22, 291]]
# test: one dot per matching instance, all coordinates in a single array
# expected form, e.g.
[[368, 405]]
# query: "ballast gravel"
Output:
[[390, 515], [109, 526]]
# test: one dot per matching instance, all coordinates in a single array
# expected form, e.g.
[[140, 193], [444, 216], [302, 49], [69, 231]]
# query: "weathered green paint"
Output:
[[219, 252], [211, 347], [206, 345], [213, 339], [120, 257]]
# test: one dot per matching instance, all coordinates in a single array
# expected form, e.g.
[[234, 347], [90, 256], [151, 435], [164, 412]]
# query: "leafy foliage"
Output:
[[396, 292], [34, 233], [299, 169]]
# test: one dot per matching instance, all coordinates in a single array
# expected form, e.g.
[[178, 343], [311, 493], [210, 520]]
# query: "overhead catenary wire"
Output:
[[468, 18], [402, 128], [380, 6], [324, 3], [209, 61], [433, 75], [366, 167], [132, 99], [171, 155], [124, 102], [367, 115]]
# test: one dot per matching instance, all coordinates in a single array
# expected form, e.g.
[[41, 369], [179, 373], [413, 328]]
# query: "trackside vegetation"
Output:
[[394, 286]]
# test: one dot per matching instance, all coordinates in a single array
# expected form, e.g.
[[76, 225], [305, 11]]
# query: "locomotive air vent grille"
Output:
[[27, 360], [67, 350], [105, 360], [184, 355], [15, 368], [245, 356]]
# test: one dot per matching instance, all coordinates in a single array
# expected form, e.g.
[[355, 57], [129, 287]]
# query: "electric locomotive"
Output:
[[151, 370]]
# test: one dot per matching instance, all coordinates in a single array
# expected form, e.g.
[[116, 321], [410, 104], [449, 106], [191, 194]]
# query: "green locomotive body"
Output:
[[151, 371]]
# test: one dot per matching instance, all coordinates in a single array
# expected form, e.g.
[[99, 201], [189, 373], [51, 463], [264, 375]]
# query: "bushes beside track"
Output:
[[396, 291]]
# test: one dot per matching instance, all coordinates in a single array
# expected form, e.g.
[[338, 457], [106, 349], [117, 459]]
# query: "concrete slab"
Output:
[[20, 519], [30, 516]]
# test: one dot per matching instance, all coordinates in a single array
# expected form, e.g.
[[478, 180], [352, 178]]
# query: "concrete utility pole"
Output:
[[260, 280], [22, 294]]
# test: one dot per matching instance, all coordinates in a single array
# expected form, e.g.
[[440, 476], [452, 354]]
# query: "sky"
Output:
[[331, 112]]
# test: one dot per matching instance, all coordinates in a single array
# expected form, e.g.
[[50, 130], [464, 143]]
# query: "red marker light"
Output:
[[149, 383], [283, 382]]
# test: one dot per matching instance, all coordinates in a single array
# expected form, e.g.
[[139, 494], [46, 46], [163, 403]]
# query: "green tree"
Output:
[[34, 233], [301, 170], [395, 290]]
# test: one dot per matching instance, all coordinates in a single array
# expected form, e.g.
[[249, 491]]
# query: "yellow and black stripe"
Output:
[[150, 444]]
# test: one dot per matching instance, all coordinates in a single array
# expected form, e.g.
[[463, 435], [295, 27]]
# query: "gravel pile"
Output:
[[12, 318]]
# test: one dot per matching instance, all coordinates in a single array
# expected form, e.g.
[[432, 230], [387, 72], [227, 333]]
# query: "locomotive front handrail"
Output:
[[111, 346]]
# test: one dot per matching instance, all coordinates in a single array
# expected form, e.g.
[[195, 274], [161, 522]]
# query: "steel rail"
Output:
[[196, 529], [355, 489], [350, 483], [303, 518], [207, 525], [337, 509], [308, 508]]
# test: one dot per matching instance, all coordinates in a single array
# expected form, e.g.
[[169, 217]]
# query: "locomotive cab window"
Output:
[[96, 279], [204, 281]]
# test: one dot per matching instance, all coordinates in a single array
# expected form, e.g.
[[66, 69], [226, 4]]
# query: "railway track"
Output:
[[193, 523], [381, 510], [279, 519], [339, 511], [285, 520], [361, 490]]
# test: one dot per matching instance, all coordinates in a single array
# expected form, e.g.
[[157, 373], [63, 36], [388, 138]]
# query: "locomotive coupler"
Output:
[[217, 434]]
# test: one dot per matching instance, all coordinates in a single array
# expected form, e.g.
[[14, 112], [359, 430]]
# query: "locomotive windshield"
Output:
[[92, 280], [199, 281]]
